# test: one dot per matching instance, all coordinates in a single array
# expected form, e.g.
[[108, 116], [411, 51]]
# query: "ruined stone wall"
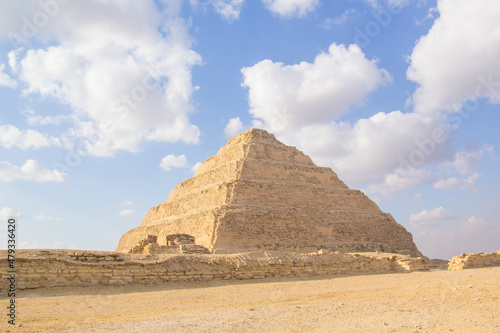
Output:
[[474, 260], [50, 268], [198, 224]]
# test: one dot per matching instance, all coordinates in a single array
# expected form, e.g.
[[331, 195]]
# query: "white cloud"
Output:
[[454, 183], [398, 181], [126, 212], [34, 119], [7, 212], [122, 67], [417, 197], [43, 217], [30, 171], [339, 20], [431, 15], [291, 96], [388, 149], [172, 161], [458, 58], [11, 136], [473, 225], [228, 9], [290, 8], [300, 104], [195, 167], [234, 126], [127, 203], [466, 162], [436, 214], [5, 79], [12, 56]]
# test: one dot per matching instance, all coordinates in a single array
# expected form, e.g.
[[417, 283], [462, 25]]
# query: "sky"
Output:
[[106, 105]]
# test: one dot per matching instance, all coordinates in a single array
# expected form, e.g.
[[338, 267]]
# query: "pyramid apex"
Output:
[[254, 135], [256, 131]]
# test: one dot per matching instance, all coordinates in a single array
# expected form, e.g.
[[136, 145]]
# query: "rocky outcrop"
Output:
[[474, 260], [259, 194]]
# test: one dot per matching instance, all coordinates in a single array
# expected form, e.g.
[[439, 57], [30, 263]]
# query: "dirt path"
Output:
[[438, 301]]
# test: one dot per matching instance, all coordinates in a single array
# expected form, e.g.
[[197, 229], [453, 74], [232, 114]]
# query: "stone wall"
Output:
[[474, 260], [50, 268]]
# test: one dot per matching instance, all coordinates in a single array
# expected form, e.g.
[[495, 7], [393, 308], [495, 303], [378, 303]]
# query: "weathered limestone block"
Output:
[[474, 260]]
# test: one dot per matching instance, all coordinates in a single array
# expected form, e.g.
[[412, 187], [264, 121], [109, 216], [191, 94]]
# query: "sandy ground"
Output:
[[436, 301]]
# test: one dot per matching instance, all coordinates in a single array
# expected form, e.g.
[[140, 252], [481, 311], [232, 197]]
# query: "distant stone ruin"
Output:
[[474, 260], [258, 194], [177, 243]]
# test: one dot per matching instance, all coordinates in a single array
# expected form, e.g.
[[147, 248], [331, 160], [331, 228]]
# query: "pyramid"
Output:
[[260, 194]]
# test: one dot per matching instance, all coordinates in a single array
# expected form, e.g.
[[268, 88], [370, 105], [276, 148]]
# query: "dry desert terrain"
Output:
[[429, 301]]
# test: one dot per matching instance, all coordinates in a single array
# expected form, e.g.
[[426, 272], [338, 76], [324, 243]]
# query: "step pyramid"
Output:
[[260, 194]]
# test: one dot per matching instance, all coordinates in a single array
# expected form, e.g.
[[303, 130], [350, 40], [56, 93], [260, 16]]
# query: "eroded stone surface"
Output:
[[258, 194], [474, 260]]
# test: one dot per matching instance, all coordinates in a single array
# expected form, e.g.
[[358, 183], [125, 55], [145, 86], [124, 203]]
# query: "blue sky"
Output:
[[106, 105]]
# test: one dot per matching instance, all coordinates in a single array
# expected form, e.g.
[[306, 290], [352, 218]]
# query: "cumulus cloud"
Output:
[[229, 9], [126, 212], [234, 126], [11, 136], [291, 96], [301, 103], [458, 59], [30, 171], [455, 183], [466, 164], [7, 212], [388, 151], [398, 181], [5, 79], [435, 214], [129, 83], [467, 161], [429, 218], [172, 161], [473, 225], [291, 8]]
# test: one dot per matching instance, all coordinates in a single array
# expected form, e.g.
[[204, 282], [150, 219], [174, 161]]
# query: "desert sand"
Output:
[[426, 301]]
